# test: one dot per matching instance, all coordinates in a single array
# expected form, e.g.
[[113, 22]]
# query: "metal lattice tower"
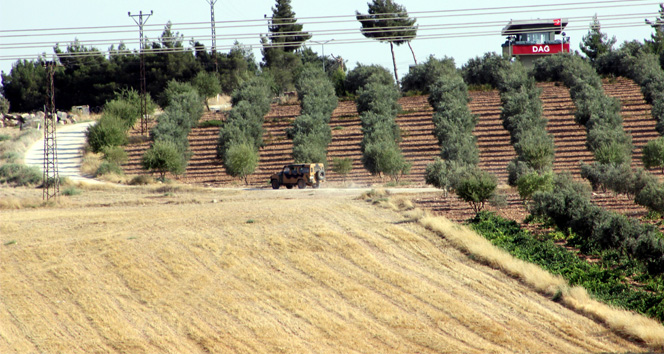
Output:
[[51, 179], [214, 34], [144, 90]]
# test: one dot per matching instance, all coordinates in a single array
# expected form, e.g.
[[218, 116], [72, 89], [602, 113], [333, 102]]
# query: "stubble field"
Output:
[[179, 269]]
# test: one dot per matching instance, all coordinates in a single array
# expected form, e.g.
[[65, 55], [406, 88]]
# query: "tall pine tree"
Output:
[[388, 21], [596, 43], [285, 32]]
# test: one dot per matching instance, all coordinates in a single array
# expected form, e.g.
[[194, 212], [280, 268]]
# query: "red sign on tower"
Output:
[[557, 22]]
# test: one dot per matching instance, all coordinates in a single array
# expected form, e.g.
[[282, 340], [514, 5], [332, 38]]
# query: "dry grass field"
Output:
[[189, 270]]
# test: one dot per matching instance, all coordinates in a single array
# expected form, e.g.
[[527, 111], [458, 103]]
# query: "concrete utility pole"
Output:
[[214, 34], [144, 100], [50, 178], [322, 44]]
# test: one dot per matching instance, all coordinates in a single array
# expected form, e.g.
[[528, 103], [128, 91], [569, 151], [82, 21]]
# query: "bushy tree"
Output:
[[162, 157], [385, 158], [476, 187], [241, 160], [362, 75], [207, 85], [388, 21]]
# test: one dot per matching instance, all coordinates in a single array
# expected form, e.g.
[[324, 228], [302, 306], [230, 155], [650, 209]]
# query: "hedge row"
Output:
[[642, 67], [311, 131], [568, 205], [241, 135], [521, 113], [456, 169], [599, 113], [169, 151], [378, 106]]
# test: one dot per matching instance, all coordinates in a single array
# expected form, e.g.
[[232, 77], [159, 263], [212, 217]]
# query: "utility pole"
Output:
[[214, 34], [144, 99], [322, 44], [50, 178]]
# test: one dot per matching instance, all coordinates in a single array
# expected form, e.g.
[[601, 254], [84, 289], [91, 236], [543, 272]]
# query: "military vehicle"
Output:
[[300, 175]]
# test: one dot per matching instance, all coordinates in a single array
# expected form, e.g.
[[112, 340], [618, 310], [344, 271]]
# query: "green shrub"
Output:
[[342, 166], [125, 110], [533, 182], [652, 197], [476, 187], [4, 105], [653, 153], [20, 175], [162, 157], [107, 167], [241, 160], [70, 191], [115, 154], [485, 70], [108, 131], [420, 77], [444, 174], [4, 137], [378, 98], [11, 156], [255, 91], [385, 158], [362, 75], [448, 92]]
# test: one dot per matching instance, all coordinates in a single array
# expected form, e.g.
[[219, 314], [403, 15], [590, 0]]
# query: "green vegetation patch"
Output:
[[609, 276]]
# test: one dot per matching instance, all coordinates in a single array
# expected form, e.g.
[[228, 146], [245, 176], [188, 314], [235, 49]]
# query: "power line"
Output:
[[354, 31]]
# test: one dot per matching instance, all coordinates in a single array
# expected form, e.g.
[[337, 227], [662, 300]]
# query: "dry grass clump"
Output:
[[16, 203], [90, 163], [628, 323]]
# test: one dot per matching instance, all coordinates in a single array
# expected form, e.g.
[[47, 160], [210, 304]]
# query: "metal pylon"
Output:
[[51, 178]]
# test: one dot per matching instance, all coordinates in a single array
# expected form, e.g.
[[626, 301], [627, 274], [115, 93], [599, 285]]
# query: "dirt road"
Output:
[[70, 141]]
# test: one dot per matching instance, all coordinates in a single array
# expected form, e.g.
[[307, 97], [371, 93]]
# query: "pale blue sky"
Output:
[[37, 14]]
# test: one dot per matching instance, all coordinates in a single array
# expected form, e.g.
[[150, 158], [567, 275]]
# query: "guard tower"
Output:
[[529, 40]]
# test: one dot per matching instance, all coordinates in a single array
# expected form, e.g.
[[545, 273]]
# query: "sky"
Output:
[[444, 29]]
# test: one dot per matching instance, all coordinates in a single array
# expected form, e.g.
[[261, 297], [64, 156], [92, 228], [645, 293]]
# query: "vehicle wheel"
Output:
[[289, 186], [301, 184], [321, 175], [317, 184], [275, 184]]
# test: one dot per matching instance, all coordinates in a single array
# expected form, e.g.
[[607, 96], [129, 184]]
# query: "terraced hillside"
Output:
[[420, 147], [569, 138]]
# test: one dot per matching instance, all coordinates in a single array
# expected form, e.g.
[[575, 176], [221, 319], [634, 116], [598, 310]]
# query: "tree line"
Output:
[[86, 76]]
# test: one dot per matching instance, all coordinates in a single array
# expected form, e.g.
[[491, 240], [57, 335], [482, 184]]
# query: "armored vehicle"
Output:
[[300, 175]]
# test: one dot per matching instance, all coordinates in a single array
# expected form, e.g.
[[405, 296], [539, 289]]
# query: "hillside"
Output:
[[420, 147], [174, 269]]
